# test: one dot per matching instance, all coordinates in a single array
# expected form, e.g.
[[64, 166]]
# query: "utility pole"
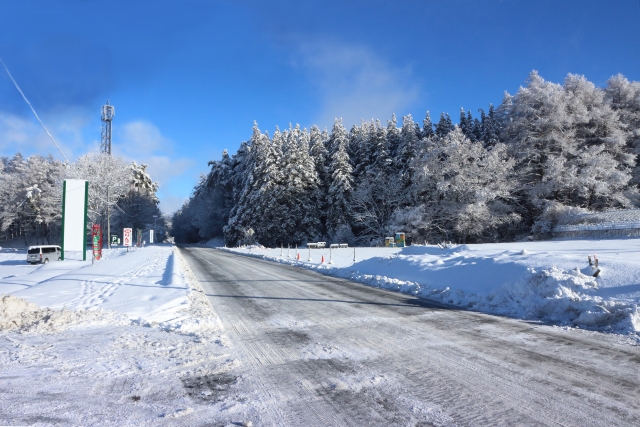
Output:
[[108, 221]]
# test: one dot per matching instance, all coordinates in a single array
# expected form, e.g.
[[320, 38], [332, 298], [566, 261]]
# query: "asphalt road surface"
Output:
[[313, 350]]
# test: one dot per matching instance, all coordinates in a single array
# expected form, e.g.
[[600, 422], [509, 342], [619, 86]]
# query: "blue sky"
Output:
[[188, 78]]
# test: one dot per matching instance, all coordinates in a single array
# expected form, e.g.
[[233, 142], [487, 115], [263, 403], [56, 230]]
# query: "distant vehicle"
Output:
[[43, 254], [339, 245], [318, 245]]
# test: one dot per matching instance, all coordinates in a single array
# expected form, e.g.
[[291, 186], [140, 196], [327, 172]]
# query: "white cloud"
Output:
[[78, 132], [26, 135], [355, 83], [142, 142], [171, 203], [143, 137]]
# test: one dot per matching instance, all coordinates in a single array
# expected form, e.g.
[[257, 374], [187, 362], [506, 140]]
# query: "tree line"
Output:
[[500, 174], [31, 194]]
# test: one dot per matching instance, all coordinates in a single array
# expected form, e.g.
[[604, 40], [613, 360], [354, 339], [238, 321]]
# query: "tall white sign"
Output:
[[127, 236], [75, 197], [150, 236]]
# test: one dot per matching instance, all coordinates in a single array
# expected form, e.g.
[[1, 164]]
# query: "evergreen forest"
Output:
[[499, 174]]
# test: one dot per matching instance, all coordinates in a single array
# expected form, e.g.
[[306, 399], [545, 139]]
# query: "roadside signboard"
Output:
[[114, 240], [75, 194], [96, 240], [150, 236], [127, 237]]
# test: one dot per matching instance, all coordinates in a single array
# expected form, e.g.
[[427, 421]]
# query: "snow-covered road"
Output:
[[316, 350]]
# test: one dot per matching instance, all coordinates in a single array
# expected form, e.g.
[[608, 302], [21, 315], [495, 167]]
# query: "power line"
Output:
[[34, 111]]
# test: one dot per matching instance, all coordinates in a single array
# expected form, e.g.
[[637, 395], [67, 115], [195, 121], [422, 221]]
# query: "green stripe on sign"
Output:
[[86, 206], [64, 194]]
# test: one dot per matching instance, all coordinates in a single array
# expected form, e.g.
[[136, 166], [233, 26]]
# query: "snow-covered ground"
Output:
[[549, 281], [120, 342]]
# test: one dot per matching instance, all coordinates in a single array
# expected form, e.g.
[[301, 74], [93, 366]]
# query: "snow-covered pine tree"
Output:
[[427, 127], [294, 210], [393, 136], [262, 174], [466, 124], [341, 181], [444, 126], [407, 150], [358, 149], [490, 128]]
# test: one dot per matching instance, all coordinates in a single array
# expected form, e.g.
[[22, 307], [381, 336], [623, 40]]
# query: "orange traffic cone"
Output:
[[322, 262], [298, 257]]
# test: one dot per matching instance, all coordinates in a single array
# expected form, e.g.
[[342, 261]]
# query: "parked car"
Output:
[[43, 254]]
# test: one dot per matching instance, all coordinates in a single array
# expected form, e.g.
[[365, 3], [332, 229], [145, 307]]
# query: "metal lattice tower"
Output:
[[108, 111]]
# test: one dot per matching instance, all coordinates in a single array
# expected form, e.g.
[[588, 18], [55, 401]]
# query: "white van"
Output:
[[43, 254]]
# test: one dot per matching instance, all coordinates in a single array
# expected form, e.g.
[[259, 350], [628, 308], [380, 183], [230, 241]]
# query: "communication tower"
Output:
[[108, 111]]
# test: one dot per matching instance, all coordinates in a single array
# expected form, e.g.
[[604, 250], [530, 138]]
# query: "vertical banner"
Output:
[[139, 235], [75, 198], [96, 241], [150, 236], [127, 237]]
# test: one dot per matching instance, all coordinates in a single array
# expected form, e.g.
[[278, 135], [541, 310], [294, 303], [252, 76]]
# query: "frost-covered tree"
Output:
[[263, 174], [31, 190], [554, 130], [624, 98], [464, 189], [427, 127], [541, 138], [489, 127], [341, 181], [294, 209], [574, 146], [138, 208], [394, 136], [409, 145], [110, 179]]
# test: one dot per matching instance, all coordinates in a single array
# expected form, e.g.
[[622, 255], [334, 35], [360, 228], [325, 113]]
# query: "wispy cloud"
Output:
[[24, 134], [355, 83]]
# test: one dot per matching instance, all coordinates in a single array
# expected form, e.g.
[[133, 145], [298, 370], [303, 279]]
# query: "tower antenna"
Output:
[[108, 112]]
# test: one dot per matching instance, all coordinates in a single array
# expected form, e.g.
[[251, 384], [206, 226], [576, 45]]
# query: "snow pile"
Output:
[[565, 297], [547, 281], [24, 316]]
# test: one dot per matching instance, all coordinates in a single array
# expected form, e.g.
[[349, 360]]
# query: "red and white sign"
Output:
[[127, 236]]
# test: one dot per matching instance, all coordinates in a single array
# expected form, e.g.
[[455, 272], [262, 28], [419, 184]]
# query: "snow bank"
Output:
[[542, 281], [24, 316], [149, 286]]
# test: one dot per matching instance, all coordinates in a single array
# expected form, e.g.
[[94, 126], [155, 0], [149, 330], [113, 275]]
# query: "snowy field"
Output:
[[549, 281], [122, 342]]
